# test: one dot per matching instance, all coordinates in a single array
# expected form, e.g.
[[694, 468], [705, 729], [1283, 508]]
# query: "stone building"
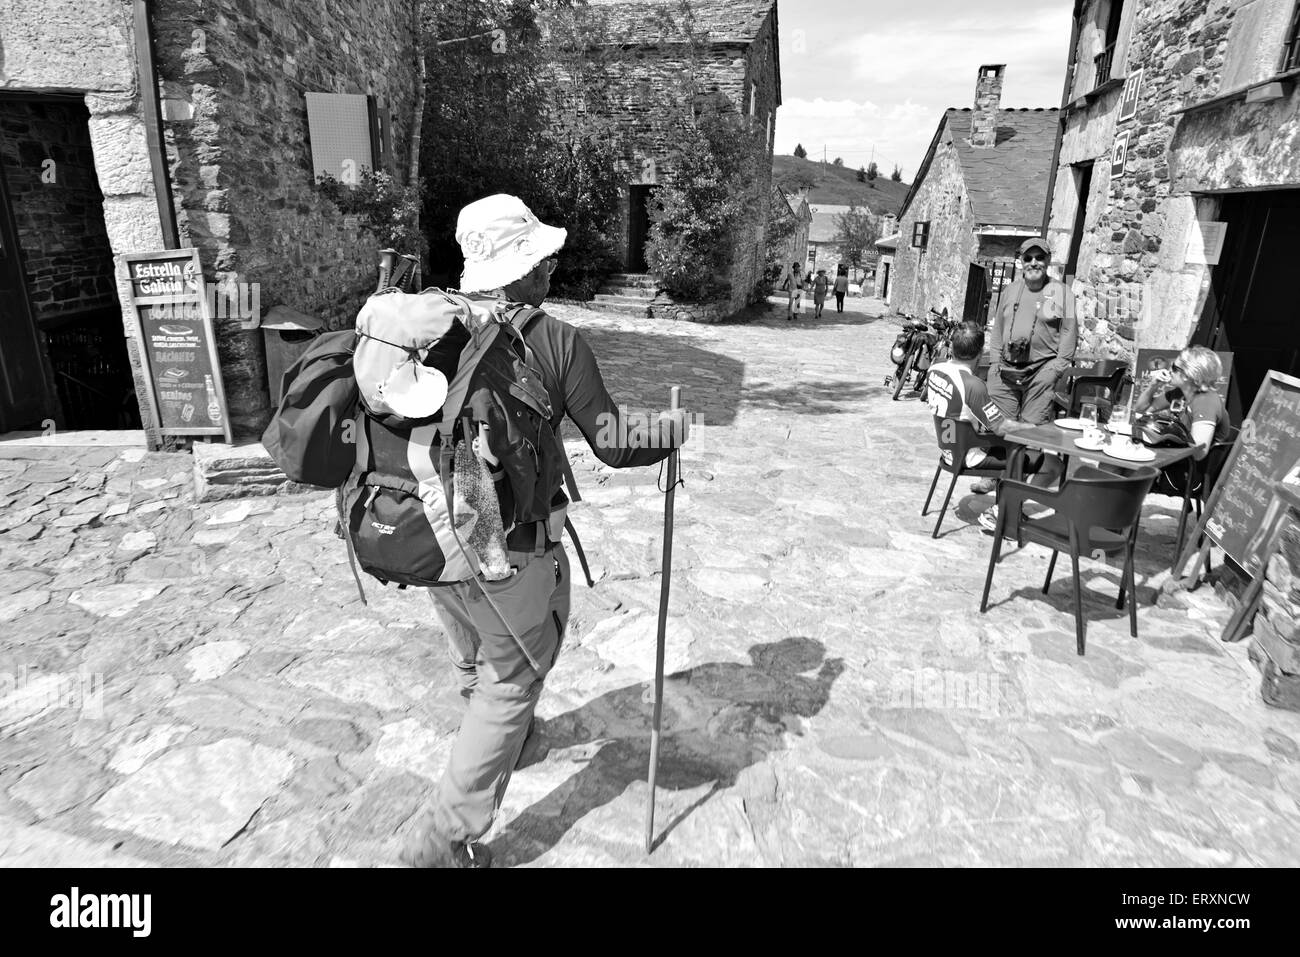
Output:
[[136, 127], [981, 189], [735, 65], [1177, 194]]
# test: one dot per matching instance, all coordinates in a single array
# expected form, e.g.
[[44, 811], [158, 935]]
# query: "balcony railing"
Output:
[[1102, 63]]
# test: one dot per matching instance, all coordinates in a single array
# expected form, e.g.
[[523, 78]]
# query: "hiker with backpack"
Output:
[[505, 635]]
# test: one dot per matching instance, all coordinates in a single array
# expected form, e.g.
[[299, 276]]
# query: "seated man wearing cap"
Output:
[[509, 256], [956, 393], [1032, 338]]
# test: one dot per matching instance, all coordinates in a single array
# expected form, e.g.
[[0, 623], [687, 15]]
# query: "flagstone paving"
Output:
[[836, 697]]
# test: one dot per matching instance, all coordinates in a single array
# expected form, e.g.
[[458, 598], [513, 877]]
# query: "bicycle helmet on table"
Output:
[[1158, 429]]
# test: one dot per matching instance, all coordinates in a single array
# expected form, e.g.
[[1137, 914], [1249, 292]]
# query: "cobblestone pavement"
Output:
[[837, 700]]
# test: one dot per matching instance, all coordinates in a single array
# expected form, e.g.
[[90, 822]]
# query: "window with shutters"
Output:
[[1104, 62], [1291, 49], [349, 132]]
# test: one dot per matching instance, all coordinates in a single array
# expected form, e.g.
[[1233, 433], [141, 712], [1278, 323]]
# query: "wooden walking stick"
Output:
[[665, 579]]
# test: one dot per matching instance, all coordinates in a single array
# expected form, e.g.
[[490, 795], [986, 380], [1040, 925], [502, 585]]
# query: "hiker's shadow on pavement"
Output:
[[810, 398], [718, 719], [638, 364]]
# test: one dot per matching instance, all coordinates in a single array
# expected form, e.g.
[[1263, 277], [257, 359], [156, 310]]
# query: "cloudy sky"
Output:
[[858, 74]]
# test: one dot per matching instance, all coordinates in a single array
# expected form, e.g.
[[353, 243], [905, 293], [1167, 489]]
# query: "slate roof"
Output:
[[1007, 184], [823, 228], [727, 21]]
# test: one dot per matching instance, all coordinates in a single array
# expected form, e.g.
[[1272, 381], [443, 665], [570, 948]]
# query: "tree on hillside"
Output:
[[862, 174], [873, 170], [897, 174], [799, 151], [838, 161], [855, 231]]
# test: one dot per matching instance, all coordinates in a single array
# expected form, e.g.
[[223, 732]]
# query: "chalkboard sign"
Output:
[[177, 345], [1266, 452]]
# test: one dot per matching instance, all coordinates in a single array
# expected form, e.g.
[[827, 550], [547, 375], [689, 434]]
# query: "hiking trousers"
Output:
[[1031, 404], [498, 684]]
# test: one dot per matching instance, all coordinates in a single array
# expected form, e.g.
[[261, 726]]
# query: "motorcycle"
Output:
[[914, 350]]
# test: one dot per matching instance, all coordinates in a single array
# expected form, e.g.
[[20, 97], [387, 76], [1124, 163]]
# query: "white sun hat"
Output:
[[502, 241]]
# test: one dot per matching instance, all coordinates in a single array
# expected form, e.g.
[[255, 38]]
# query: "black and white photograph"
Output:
[[643, 434]]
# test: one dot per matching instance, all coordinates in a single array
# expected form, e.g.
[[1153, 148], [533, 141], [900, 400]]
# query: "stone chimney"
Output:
[[988, 97]]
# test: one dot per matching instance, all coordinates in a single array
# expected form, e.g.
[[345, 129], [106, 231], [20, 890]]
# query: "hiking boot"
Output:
[[535, 748], [431, 849]]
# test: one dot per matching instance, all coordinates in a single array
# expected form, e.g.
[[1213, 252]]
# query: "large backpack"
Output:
[[416, 505], [312, 434], [421, 507]]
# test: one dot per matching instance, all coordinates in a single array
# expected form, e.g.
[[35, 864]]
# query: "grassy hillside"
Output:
[[838, 185]]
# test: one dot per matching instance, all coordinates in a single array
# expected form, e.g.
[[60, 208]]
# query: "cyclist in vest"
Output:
[[509, 255], [1032, 338]]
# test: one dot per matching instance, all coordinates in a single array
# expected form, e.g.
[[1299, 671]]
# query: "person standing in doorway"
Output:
[[1032, 338]]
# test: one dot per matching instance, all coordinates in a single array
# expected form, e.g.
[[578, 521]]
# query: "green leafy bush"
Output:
[[696, 216], [388, 210]]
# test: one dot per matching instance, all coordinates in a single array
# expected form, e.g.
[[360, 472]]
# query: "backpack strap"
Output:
[[522, 317], [482, 336]]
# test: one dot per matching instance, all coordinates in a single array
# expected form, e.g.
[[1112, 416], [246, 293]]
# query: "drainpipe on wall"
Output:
[[1060, 118], [151, 108]]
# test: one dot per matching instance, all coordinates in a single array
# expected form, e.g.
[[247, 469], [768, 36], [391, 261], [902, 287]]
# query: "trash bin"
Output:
[[287, 333]]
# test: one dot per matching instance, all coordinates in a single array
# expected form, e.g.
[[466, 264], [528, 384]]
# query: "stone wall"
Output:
[[233, 75], [641, 92], [240, 154], [1132, 263], [49, 170], [921, 280], [87, 46], [665, 307], [1277, 624]]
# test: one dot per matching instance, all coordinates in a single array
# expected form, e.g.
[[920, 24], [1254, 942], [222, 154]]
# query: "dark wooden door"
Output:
[[1256, 304], [977, 293], [638, 227], [22, 379]]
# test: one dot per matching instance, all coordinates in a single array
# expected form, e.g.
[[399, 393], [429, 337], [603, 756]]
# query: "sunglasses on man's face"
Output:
[[1035, 259]]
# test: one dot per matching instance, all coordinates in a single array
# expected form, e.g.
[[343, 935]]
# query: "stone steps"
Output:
[[620, 304], [631, 279], [628, 292]]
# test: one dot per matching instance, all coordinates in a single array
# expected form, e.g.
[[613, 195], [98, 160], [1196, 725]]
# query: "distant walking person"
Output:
[[820, 285], [796, 292], [840, 288]]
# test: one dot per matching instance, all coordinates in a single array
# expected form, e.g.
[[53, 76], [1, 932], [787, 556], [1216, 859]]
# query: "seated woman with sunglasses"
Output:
[[1190, 391]]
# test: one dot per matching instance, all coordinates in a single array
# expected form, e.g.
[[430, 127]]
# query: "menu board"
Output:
[[177, 343], [1266, 452]]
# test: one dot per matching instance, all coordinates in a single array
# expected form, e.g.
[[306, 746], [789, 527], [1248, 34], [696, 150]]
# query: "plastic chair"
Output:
[[1099, 383], [957, 438], [1094, 511], [1204, 475]]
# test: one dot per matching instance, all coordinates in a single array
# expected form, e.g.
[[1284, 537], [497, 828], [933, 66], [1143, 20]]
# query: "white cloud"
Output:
[[943, 56]]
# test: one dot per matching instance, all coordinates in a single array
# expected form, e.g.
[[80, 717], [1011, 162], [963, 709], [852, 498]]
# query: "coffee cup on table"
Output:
[[1093, 434]]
